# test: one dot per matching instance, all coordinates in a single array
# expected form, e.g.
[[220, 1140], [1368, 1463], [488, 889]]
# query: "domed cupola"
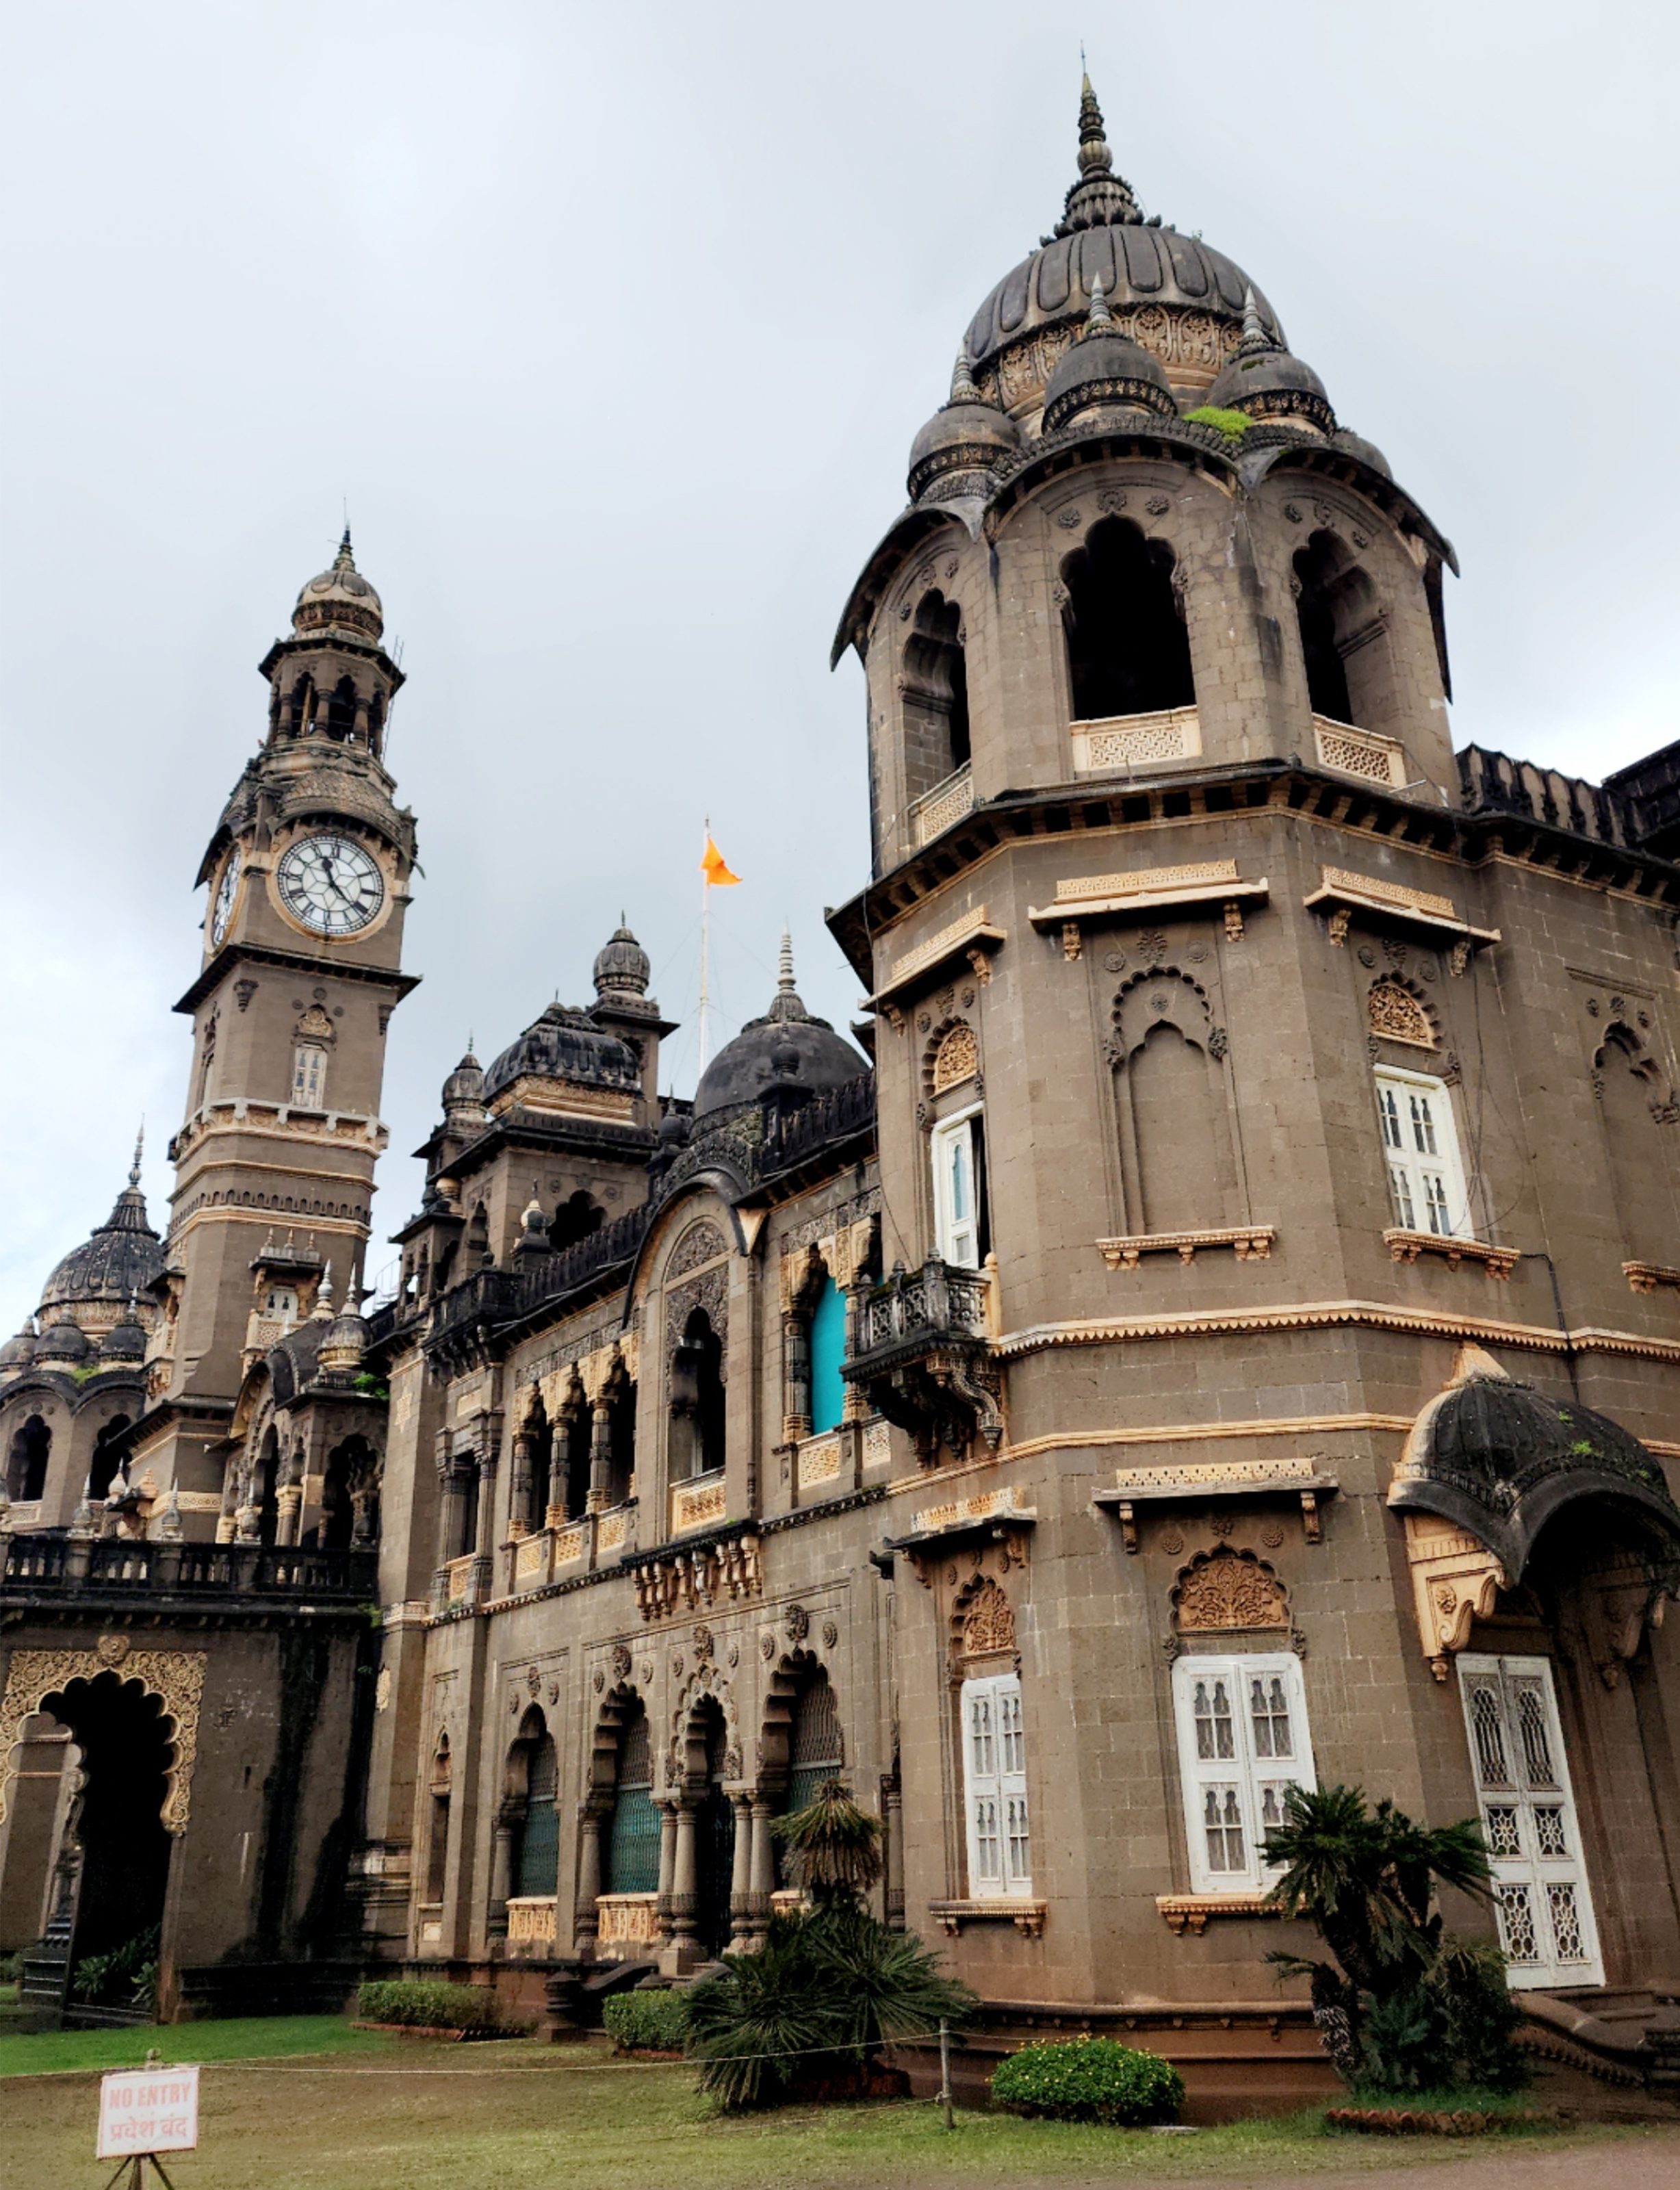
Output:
[[623, 968], [1262, 379], [343, 1342], [64, 1345], [961, 442], [1366, 452], [1105, 370], [464, 1092], [340, 599], [17, 1353], [125, 1340], [121, 1259], [786, 1051], [562, 1048]]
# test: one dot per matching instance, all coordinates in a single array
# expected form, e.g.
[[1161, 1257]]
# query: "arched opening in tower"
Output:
[[1128, 651], [935, 697]]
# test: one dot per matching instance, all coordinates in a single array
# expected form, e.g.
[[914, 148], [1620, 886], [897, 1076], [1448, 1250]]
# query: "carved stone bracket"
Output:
[[1651, 1277], [1027, 1916], [1455, 1580], [1192, 1485], [1406, 1247], [1189, 1912], [1250, 1243]]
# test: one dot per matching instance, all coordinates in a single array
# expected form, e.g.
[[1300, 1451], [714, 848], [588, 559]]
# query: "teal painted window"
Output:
[[828, 1351], [632, 1844], [540, 1833]]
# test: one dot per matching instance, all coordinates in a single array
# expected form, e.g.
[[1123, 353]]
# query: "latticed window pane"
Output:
[[1435, 1204], [1566, 1931], [1487, 1726], [987, 1863], [984, 1748], [309, 1073], [1504, 1835], [1012, 1734], [1536, 1734], [1551, 1834], [1273, 1798], [1269, 1709], [1216, 1737], [1517, 1931], [1388, 1103], [1423, 1126], [1222, 1816], [1399, 1184], [1020, 1839]]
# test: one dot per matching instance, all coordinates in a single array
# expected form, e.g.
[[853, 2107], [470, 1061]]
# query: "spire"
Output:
[[345, 560], [962, 387], [786, 1006], [322, 1310], [139, 1151], [1256, 337], [1099, 319], [1100, 198], [784, 965]]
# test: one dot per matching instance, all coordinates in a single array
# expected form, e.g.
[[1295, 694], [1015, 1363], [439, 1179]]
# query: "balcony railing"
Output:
[[923, 1357], [937, 1300], [935, 812], [64, 1564]]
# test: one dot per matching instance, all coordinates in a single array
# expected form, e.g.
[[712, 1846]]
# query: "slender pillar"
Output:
[[521, 1520], [484, 1558], [501, 1871], [685, 1896], [893, 1801], [667, 1868], [587, 1926], [741, 1877], [600, 1457], [854, 1407], [762, 1876], [795, 1354]]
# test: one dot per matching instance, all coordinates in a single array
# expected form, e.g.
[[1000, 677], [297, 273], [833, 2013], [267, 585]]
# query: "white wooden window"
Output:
[[309, 1073], [1542, 1897], [995, 1789], [1420, 1146], [1242, 1743], [957, 1188]]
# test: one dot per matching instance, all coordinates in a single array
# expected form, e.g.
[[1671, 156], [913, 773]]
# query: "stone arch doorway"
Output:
[[112, 1863]]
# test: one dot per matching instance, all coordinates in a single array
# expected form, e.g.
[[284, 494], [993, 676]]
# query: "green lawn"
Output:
[[364, 2113], [254, 2039]]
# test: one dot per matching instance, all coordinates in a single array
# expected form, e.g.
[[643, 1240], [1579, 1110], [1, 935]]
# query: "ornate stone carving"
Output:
[[701, 1242], [1455, 1580], [1224, 1590], [987, 1621], [620, 1661], [1397, 1015], [175, 1677], [798, 1622], [710, 1290], [956, 1058]]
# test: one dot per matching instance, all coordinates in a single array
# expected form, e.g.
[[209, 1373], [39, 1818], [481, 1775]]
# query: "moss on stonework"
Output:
[[1232, 424]]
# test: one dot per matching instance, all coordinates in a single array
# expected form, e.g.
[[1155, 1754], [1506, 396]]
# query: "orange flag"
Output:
[[714, 866]]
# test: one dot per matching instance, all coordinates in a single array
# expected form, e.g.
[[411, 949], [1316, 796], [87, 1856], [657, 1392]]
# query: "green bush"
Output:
[[649, 2022], [1089, 2080], [1232, 424], [126, 1977], [425, 2005]]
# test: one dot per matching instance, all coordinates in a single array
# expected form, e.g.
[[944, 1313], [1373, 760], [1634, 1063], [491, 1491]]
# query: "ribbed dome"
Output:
[[125, 1340], [968, 434], [1265, 380], [463, 1090], [63, 1341], [1174, 294], [121, 1259], [340, 596], [564, 1045], [623, 967], [1105, 366], [18, 1352], [787, 1049]]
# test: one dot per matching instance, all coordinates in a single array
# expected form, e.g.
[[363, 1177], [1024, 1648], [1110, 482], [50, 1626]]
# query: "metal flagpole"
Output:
[[705, 941]]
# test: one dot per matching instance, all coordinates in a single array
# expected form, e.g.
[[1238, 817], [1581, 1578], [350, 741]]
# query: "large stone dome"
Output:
[[119, 1260], [1174, 294], [340, 597], [564, 1045], [786, 1050]]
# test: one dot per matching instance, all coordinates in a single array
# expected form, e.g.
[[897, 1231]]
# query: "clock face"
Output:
[[226, 891], [331, 883]]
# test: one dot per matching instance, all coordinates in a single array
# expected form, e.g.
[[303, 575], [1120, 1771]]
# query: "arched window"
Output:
[[696, 1400], [1128, 652], [621, 1441], [341, 710], [102, 1469], [27, 1465], [828, 1351], [437, 1838], [935, 697], [575, 1218], [961, 1220], [1344, 639], [577, 1423], [541, 1433], [1641, 1162], [537, 1855], [815, 1749], [348, 1497], [299, 705], [477, 1238], [633, 1842], [308, 1076]]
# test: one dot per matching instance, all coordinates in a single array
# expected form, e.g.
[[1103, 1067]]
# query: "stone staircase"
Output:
[[1630, 2038]]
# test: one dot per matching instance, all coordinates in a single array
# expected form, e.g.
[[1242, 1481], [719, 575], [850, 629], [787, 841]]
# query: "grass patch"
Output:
[[244, 2037], [549, 2117]]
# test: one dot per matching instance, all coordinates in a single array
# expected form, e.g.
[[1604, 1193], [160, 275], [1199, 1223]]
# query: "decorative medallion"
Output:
[[831, 1634], [620, 1661], [599, 1679], [798, 1622], [1366, 956], [1115, 962], [1271, 1535], [1067, 519], [533, 1679], [1172, 1542], [112, 1649], [647, 1672], [734, 1655], [554, 1691], [767, 1646], [676, 1665], [1157, 505]]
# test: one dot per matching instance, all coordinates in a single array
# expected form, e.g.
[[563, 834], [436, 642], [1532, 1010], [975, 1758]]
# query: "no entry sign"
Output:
[[147, 2110]]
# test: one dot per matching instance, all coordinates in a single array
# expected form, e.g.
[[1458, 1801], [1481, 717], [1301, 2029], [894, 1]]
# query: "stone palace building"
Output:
[[1216, 1322]]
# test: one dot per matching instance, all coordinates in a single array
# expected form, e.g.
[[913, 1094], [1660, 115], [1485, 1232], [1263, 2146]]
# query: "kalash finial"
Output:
[[345, 560], [1257, 335], [962, 387], [1095, 156], [1099, 319], [784, 965], [1100, 198], [139, 1151]]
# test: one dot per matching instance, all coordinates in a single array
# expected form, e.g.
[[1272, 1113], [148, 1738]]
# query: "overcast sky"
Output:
[[613, 327]]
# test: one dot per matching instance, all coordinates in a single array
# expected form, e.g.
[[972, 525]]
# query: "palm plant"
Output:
[[833, 1847]]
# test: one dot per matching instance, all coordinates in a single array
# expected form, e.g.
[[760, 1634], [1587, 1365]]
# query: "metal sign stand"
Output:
[[134, 2168]]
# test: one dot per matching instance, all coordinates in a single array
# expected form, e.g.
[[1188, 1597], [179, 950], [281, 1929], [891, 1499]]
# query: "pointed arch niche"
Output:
[[1173, 1109], [1636, 1110]]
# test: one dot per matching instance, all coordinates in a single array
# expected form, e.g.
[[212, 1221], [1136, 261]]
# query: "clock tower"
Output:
[[309, 876]]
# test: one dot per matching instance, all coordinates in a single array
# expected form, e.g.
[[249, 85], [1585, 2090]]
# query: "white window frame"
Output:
[[1427, 1190], [308, 1076], [957, 1238], [1240, 1782], [997, 1821]]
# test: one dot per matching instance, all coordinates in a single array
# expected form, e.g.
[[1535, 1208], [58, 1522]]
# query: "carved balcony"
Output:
[[923, 1357]]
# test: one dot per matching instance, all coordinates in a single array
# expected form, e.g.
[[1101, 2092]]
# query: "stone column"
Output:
[[741, 1877], [520, 1521], [450, 1490], [795, 1354], [587, 1928], [684, 1883], [894, 1805], [502, 1871], [762, 1876], [290, 1501], [484, 1559], [600, 1457], [855, 1407], [667, 1868]]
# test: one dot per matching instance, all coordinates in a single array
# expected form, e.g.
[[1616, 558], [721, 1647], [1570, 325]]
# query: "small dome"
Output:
[[1262, 378], [125, 1340], [968, 434], [1366, 451], [463, 1090], [787, 1047], [623, 967], [340, 597], [1104, 367], [120, 1259], [534, 1223], [343, 1341], [64, 1340], [673, 1132], [18, 1352], [566, 1045]]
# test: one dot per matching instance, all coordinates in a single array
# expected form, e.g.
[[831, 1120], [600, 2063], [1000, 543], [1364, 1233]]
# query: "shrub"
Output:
[[426, 2004], [1232, 424], [649, 2022], [1089, 2080], [126, 1977]]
